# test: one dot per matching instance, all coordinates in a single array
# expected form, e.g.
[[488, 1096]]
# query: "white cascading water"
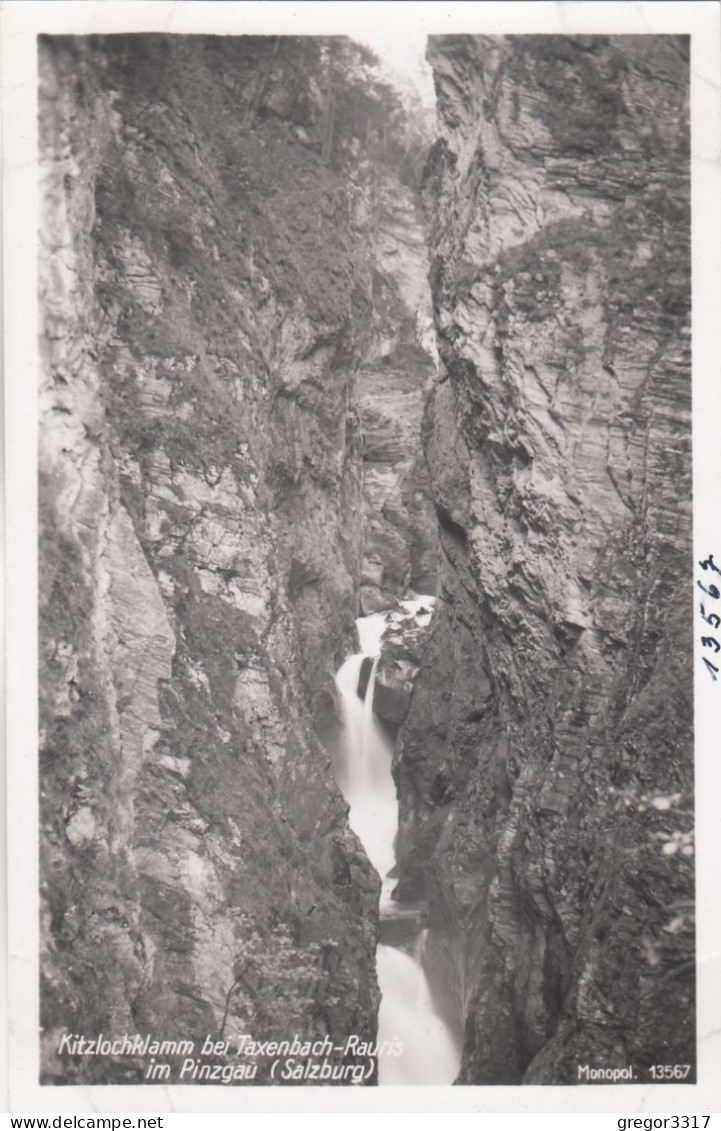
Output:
[[431, 1054], [430, 1051]]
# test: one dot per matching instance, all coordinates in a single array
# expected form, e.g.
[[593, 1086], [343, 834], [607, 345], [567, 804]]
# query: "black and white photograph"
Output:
[[368, 606]]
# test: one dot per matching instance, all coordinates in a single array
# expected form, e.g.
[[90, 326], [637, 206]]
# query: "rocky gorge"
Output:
[[301, 360]]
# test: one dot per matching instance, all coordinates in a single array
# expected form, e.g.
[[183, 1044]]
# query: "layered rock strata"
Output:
[[207, 274], [545, 766]]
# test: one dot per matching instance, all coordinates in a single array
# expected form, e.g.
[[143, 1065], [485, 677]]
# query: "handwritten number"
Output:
[[712, 590], [712, 618]]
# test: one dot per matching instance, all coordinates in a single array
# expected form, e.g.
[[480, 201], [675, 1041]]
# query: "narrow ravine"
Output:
[[416, 1045], [311, 345]]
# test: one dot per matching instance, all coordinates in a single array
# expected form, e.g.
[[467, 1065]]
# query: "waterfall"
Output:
[[365, 774], [431, 1054]]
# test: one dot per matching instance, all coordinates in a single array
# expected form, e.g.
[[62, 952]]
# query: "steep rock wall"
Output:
[[207, 295], [545, 766], [400, 543]]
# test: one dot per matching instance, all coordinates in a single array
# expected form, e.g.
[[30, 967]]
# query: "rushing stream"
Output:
[[407, 1014]]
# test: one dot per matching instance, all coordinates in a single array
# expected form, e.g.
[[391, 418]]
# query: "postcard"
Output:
[[364, 565]]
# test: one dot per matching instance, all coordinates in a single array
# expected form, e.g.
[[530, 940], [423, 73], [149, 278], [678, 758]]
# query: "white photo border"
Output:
[[21, 22]]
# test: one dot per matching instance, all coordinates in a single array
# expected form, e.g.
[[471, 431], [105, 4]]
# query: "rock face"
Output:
[[236, 339], [400, 546], [207, 276], [402, 647], [545, 766]]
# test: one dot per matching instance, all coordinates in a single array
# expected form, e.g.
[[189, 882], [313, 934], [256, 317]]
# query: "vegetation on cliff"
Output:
[[209, 285]]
